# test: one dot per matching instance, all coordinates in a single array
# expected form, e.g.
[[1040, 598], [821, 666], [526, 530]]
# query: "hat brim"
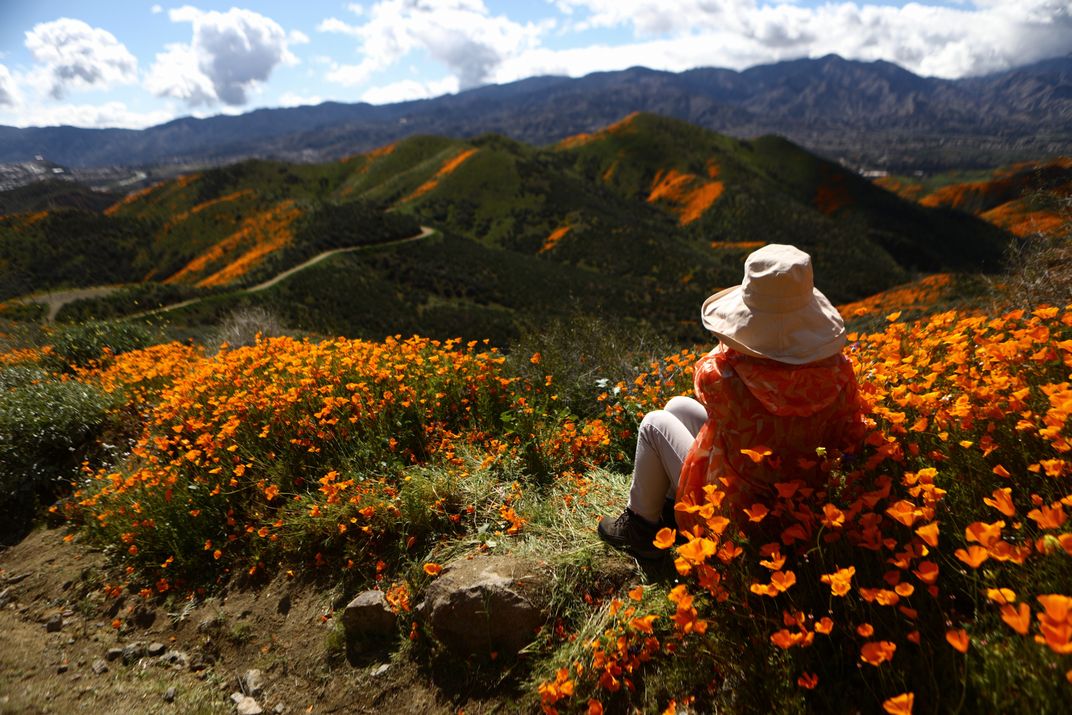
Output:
[[796, 337]]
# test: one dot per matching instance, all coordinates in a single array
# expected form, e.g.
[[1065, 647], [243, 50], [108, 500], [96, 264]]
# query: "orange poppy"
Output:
[[1018, 617], [959, 639], [899, 704]]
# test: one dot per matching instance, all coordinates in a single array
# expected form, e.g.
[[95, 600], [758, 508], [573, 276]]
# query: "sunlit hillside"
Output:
[[931, 568], [1026, 199], [641, 220]]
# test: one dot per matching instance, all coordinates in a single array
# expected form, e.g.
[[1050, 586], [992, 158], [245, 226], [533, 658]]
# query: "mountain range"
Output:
[[865, 114], [639, 220]]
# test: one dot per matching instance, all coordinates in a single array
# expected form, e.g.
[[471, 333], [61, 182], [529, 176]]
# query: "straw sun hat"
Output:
[[776, 312]]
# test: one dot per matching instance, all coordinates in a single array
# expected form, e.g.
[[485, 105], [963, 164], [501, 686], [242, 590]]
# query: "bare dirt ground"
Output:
[[56, 628]]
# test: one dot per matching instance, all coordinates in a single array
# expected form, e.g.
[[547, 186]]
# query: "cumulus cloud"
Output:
[[460, 34], [292, 99], [979, 37], [409, 89], [230, 54], [109, 114], [71, 54], [9, 93]]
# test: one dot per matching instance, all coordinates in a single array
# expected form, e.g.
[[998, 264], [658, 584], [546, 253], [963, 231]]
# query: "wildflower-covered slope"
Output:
[[930, 570], [1024, 198], [651, 209]]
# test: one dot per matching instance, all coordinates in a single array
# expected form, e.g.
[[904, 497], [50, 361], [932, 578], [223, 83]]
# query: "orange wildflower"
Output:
[[929, 534], [959, 639], [1018, 617], [899, 704], [974, 556], [432, 569], [840, 580], [1002, 501], [665, 538], [877, 652]]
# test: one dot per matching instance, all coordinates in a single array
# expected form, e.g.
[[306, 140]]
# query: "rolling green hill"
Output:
[[640, 220]]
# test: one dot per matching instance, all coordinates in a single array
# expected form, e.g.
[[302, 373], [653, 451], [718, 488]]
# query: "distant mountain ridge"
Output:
[[873, 114]]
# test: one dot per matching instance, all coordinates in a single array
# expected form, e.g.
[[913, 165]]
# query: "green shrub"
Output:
[[46, 428], [80, 344]]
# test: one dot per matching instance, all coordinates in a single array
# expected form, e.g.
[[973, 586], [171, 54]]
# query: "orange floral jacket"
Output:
[[765, 420]]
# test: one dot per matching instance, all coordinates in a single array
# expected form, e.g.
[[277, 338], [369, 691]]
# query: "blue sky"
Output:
[[133, 63]]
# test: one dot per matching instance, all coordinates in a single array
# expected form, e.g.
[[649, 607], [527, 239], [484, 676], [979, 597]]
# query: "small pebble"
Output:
[[169, 695]]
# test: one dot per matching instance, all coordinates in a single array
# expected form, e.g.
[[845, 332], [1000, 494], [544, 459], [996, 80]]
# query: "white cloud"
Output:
[[109, 114], [230, 55], [297, 37], [72, 55], [156, 9], [292, 99], [989, 35], [460, 34], [409, 89], [9, 93], [177, 73]]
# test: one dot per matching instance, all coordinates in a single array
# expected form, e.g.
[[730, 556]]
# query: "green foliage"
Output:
[[78, 345], [53, 194], [128, 300], [70, 247], [46, 428], [584, 357]]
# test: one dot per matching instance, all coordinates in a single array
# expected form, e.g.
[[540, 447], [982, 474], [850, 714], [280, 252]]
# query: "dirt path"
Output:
[[59, 647], [58, 299], [426, 231]]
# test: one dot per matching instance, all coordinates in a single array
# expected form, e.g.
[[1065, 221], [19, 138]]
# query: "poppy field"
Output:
[[932, 572]]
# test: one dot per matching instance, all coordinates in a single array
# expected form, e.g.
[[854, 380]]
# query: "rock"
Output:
[[62, 668], [6, 596], [279, 708], [18, 578], [251, 682], [132, 652], [368, 617], [54, 623], [99, 666], [484, 605], [113, 654], [245, 705], [381, 670], [169, 695], [156, 650], [175, 658]]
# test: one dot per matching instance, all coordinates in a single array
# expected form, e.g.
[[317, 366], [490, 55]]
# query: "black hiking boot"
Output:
[[631, 534]]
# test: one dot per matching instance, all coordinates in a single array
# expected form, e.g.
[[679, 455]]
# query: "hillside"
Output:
[[872, 114], [266, 486], [1025, 199], [640, 220]]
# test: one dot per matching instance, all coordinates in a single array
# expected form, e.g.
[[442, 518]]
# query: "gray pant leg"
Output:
[[663, 440]]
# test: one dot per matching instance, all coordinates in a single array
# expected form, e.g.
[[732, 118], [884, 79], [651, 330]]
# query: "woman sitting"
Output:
[[776, 388]]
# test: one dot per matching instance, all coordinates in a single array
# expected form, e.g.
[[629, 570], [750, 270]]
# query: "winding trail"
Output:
[[57, 299], [426, 231]]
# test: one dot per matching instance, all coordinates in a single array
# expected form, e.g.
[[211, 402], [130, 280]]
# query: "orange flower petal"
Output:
[[958, 639], [899, 704]]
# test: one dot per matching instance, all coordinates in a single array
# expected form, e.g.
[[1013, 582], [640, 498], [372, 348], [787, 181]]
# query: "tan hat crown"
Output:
[[776, 312], [777, 279]]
